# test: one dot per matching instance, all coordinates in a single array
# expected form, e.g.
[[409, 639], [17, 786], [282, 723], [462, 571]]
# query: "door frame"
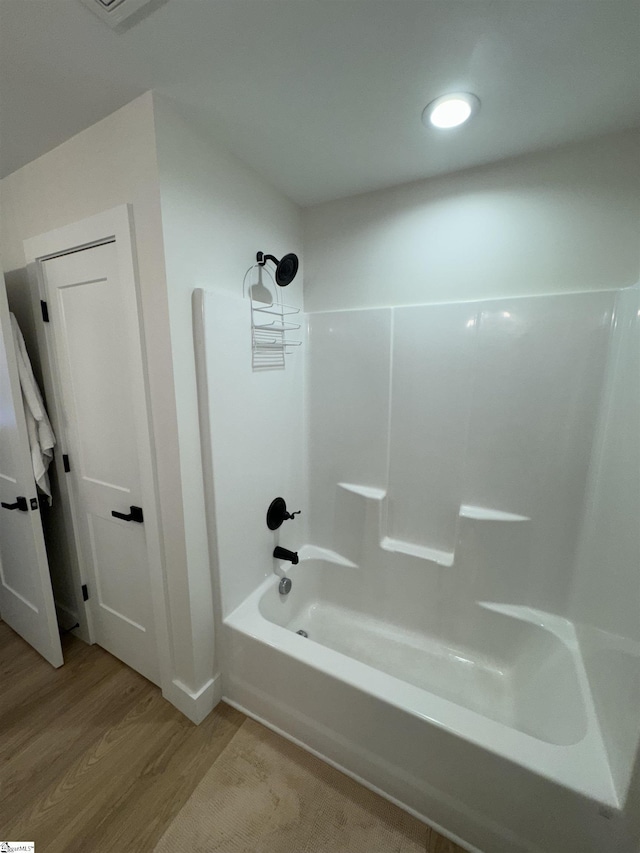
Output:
[[112, 225]]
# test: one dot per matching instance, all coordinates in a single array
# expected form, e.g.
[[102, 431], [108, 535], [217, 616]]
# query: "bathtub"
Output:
[[464, 726]]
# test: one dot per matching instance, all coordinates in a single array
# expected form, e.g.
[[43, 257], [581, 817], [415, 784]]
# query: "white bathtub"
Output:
[[428, 718]]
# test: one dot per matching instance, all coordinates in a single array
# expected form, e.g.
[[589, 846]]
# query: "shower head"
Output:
[[286, 269]]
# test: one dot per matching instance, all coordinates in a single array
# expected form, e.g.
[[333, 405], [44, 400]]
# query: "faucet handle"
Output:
[[277, 513]]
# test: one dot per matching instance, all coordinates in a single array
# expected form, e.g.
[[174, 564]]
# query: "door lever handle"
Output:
[[135, 514], [21, 504]]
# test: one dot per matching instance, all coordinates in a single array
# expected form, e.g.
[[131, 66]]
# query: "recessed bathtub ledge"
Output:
[[314, 552], [481, 513], [558, 625], [370, 492], [423, 552]]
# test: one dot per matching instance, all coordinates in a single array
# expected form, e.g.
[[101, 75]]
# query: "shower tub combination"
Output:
[[445, 645], [392, 701]]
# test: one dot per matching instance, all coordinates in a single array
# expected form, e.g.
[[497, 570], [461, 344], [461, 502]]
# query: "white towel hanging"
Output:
[[41, 437]]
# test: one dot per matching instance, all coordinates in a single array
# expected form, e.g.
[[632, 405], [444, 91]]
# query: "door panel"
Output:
[[93, 349], [113, 548], [95, 336], [26, 597]]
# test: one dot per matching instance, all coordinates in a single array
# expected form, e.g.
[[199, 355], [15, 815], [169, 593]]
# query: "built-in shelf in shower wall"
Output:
[[359, 527], [481, 513], [422, 552], [369, 492]]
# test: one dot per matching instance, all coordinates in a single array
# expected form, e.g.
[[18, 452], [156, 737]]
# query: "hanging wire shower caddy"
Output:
[[271, 326]]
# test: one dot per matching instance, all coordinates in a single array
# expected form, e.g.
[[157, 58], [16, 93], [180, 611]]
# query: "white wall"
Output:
[[217, 214], [111, 163], [258, 445], [558, 221]]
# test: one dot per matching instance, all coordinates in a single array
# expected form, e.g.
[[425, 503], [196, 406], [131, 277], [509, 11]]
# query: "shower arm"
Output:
[[262, 259]]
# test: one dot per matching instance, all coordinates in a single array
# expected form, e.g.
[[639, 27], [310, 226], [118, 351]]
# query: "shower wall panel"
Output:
[[348, 407], [489, 405], [537, 381], [433, 350], [607, 591]]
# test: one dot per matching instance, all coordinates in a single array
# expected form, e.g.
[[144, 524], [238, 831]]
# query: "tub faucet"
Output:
[[282, 554]]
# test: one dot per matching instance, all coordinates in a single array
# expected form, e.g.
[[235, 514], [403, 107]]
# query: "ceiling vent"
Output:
[[119, 13]]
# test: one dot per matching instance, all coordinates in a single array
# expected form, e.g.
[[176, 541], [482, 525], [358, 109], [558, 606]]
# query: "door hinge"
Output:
[[45, 310], [85, 592], [65, 463]]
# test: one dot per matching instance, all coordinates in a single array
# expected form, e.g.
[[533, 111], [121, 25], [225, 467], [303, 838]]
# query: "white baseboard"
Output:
[[194, 704]]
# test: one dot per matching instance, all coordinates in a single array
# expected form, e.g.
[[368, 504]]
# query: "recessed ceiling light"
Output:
[[450, 110]]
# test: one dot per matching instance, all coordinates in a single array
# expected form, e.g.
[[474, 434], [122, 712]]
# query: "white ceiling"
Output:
[[323, 97]]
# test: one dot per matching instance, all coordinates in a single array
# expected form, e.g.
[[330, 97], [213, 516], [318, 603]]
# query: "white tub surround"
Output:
[[605, 603], [450, 451], [441, 412]]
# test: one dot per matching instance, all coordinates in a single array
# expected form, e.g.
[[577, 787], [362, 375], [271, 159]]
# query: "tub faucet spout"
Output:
[[282, 554]]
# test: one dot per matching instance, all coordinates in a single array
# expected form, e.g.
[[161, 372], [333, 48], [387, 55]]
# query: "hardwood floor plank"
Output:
[[164, 786], [58, 815], [20, 667], [51, 702], [39, 683], [50, 741], [82, 808], [14, 652]]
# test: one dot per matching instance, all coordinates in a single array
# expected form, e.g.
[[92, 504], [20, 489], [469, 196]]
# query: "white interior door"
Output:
[[26, 597], [95, 338]]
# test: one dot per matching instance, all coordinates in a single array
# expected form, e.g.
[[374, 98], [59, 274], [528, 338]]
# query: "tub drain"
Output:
[[302, 633]]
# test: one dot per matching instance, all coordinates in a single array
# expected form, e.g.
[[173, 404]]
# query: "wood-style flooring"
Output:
[[93, 759]]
